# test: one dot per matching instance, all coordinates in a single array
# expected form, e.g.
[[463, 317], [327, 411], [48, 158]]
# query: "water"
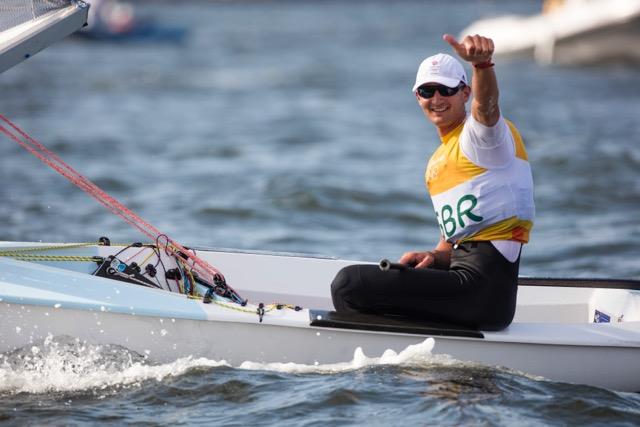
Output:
[[64, 382], [290, 126]]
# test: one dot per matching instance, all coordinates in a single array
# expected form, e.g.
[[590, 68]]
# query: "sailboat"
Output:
[[166, 300]]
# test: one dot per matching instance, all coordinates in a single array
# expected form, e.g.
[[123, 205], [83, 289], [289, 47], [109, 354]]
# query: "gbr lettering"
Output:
[[449, 220]]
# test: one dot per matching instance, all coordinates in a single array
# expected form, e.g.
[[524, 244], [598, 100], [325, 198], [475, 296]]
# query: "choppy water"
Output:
[[64, 382], [290, 126]]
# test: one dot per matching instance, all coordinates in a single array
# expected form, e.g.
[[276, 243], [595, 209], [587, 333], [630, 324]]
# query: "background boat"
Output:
[[119, 21], [568, 32]]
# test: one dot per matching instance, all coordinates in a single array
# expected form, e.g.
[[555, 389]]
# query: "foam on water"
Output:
[[417, 354], [64, 364]]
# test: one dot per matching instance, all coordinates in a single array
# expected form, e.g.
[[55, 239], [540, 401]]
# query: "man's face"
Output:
[[445, 112]]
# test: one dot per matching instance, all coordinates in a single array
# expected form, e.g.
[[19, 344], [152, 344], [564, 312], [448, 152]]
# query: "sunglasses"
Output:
[[427, 92]]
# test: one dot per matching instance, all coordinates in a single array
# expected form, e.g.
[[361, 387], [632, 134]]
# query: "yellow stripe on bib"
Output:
[[449, 167], [509, 229]]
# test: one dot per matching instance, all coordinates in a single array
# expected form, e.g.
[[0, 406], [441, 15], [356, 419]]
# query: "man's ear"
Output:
[[466, 92]]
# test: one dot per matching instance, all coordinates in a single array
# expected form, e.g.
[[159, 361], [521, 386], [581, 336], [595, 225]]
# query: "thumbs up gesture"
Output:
[[475, 49]]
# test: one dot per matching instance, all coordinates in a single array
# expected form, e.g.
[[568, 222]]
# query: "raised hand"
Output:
[[475, 49]]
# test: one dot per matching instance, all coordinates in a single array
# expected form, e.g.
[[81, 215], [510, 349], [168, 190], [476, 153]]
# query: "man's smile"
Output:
[[438, 108]]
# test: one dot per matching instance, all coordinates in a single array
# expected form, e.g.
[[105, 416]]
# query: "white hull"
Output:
[[553, 335], [235, 342], [582, 32]]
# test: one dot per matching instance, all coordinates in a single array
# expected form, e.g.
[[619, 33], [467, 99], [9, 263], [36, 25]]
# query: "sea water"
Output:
[[291, 126], [63, 381]]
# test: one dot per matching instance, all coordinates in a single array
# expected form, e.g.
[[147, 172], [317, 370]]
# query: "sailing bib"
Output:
[[475, 203]]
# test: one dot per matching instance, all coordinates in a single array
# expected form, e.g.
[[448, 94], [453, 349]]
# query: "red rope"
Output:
[[55, 162]]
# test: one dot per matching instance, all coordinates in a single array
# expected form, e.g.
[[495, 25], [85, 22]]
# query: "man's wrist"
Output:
[[483, 64], [437, 263]]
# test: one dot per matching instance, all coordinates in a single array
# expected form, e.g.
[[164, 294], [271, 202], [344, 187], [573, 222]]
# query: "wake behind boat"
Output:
[[575, 330]]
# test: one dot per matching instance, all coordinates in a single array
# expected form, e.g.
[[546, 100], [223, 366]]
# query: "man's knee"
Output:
[[346, 289]]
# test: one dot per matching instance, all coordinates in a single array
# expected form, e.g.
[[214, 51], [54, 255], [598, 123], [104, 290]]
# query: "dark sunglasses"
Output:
[[427, 92]]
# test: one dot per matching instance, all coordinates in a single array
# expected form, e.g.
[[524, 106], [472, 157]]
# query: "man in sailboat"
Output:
[[481, 187]]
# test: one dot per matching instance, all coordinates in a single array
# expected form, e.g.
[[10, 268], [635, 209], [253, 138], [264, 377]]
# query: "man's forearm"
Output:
[[484, 85], [478, 51]]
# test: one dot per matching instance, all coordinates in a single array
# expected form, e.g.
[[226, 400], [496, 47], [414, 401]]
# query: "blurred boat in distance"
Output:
[[568, 32], [119, 21]]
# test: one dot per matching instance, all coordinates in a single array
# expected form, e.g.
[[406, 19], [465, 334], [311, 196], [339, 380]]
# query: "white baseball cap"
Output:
[[440, 68]]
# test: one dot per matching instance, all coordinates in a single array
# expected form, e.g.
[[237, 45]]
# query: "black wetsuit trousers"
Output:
[[479, 289]]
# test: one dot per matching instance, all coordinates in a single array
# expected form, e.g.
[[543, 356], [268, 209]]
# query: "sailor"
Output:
[[481, 187]]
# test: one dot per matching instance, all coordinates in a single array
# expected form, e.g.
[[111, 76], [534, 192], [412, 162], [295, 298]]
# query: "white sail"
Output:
[[28, 26]]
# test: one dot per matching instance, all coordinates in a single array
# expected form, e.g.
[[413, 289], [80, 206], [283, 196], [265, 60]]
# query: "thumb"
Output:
[[452, 41]]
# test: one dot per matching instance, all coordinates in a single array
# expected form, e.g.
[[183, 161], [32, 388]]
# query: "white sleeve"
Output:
[[490, 147]]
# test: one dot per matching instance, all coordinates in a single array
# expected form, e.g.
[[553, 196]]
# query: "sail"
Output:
[[28, 26]]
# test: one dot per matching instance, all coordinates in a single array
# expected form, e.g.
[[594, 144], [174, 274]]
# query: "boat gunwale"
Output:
[[559, 282], [583, 283]]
